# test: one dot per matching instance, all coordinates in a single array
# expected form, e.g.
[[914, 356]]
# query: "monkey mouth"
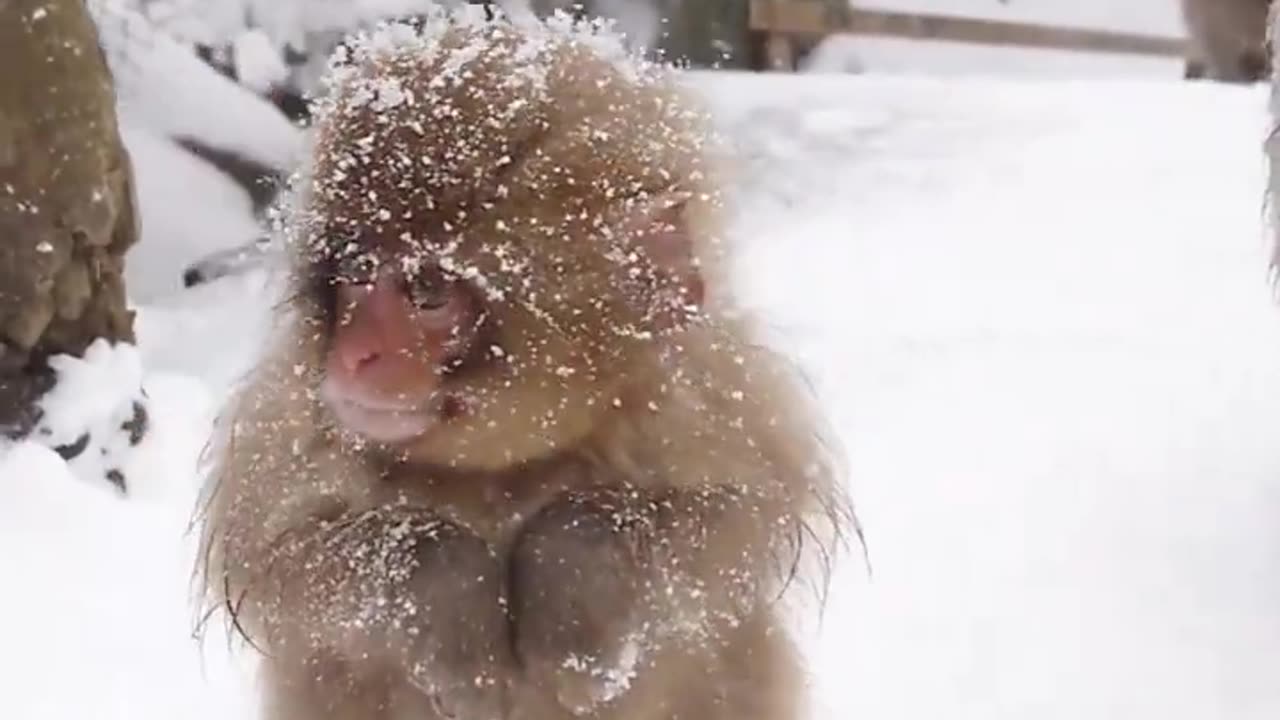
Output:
[[382, 422]]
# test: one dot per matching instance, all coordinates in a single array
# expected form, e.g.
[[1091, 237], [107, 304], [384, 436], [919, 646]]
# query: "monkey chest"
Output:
[[494, 507]]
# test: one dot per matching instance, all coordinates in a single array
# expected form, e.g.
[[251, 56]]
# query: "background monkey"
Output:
[[516, 454], [1228, 39]]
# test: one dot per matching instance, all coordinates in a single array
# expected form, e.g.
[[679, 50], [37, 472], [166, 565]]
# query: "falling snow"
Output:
[[1061, 432]]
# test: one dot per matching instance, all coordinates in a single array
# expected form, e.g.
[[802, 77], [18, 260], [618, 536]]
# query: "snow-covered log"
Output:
[[162, 85], [207, 150]]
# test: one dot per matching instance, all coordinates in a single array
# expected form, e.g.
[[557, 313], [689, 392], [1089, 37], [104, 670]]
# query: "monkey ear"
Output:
[[660, 228]]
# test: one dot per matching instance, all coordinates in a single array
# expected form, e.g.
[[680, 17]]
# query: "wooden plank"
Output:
[[818, 17]]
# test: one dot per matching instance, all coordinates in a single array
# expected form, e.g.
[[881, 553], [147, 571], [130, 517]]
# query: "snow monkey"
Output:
[[1228, 39], [517, 454]]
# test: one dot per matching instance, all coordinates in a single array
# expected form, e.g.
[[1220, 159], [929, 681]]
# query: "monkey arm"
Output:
[[398, 583], [719, 546], [602, 576], [395, 585], [321, 576]]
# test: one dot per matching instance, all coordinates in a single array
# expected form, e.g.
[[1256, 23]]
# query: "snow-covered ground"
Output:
[[1040, 316], [1038, 312]]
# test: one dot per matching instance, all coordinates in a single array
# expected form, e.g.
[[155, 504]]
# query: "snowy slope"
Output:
[[1040, 317]]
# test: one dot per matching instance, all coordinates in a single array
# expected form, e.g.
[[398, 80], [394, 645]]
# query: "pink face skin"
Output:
[[392, 342]]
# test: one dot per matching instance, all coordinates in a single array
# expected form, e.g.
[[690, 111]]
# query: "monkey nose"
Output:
[[355, 359]]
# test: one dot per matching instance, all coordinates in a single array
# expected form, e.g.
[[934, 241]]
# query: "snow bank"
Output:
[[97, 619]]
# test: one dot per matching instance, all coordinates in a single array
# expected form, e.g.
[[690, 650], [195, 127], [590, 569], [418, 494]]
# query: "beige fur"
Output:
[[629, 477], [1228, 39]]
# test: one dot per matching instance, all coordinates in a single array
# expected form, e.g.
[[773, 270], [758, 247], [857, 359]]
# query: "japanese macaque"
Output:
[[517, 454], [1228, 39]]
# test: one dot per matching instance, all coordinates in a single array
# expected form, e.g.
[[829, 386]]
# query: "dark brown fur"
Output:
[[1228, 39], [627, 483]]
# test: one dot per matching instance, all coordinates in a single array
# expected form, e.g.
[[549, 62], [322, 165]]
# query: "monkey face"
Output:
[[478, 353], [393, 338], [495, 249]]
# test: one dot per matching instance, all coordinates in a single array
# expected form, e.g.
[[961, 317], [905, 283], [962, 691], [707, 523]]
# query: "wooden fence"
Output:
[[781, 22]]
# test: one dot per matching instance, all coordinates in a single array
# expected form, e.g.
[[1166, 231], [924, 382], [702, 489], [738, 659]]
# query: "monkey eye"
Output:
[[429, 291], [355, 269]]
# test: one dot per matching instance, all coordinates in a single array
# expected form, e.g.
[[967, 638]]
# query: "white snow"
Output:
[[1041, 317], [258, 61], [96, 399], [189, 210], [166, 94], [164, 88], [97, 619], [1039, 314]]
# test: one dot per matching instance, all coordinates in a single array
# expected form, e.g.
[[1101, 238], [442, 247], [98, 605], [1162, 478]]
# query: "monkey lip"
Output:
[[379, 421]]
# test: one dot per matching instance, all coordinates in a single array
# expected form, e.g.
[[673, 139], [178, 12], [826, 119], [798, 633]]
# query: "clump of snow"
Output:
[[259, 65], [114, 426], [96, 412]]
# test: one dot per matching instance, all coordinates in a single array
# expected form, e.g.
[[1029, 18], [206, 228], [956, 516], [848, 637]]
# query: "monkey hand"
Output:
[[581, 606], [414, 590], [455, 645]]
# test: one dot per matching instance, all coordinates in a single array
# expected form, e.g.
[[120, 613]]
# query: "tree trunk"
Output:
[[66, 199]]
